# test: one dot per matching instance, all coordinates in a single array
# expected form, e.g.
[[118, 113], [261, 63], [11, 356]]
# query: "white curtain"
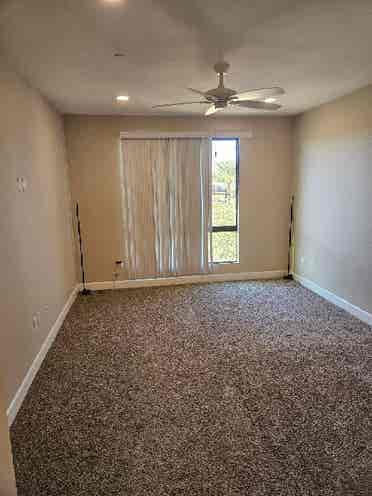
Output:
[[166, 206]]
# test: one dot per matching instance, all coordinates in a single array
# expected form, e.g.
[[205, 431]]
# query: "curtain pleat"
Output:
[[206, 195], [166, 206]]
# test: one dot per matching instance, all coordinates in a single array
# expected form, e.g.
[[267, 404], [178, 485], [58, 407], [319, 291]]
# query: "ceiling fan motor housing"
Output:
[[220, 96]]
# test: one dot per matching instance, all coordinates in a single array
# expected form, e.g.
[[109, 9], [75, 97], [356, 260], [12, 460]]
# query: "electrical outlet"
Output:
[[35, 322]]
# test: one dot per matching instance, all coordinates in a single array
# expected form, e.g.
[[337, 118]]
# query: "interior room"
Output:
[[186, 247]]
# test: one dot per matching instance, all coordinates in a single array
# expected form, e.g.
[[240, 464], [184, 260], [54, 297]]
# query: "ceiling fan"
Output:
[[221, 97]]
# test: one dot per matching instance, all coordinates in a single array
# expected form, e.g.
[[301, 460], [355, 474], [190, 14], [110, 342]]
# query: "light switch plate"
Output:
[[21, 184]]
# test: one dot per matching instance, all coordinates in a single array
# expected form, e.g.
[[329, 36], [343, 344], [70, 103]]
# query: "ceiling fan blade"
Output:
[[212, 110], [258, 94], [256, 105], [203, 93], [178, 103]]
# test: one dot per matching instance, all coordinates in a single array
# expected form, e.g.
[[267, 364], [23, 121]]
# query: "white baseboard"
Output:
[[336, 300], [193, 279], [20, 395]]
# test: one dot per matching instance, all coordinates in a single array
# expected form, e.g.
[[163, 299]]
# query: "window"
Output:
[[225, 203]]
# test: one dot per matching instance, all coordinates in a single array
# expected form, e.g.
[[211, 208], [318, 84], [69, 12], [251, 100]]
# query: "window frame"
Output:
[[228, 228]]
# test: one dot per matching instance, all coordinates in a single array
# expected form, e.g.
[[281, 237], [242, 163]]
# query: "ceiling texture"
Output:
[[316, 50]]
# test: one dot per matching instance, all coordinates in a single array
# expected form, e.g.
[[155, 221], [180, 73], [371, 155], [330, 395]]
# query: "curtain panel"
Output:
[[166, 188]]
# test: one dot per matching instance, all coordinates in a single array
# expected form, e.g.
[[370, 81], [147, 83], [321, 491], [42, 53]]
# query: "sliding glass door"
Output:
[[180, 205]]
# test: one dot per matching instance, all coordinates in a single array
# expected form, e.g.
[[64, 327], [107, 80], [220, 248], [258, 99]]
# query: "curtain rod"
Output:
[[165, 135]]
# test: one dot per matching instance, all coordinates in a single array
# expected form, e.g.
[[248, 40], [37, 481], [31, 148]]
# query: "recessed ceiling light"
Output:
[[122, 98], [270, 100]]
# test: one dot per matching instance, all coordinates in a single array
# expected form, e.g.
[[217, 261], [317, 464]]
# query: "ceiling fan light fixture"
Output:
[[270, 100]]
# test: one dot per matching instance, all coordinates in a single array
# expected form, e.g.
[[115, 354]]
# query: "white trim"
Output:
[[171, 134], [336, 300], [20, 395], [193, 279]]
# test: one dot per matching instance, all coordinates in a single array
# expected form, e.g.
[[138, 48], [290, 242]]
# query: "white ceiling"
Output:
[[316, 50]]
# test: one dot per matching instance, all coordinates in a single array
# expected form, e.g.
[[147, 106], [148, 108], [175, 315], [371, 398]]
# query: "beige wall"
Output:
[[36, 250], [7, 478], [333, 185], [265, 179]]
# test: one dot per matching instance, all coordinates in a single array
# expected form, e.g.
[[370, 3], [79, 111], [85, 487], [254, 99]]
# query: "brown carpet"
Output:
[[258, 388]]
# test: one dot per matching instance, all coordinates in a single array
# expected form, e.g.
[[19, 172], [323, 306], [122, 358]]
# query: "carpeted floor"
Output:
[[248, 388]]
